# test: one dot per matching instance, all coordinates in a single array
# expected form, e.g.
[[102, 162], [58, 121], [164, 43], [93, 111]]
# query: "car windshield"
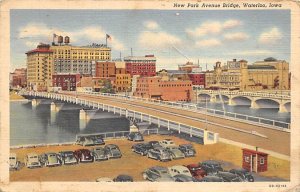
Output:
[[12, 158], [52, 155], [99, 149], [33, 157], [163, 172], [185, 171]]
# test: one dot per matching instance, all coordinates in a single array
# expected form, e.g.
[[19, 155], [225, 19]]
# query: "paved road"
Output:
[[277, 141]]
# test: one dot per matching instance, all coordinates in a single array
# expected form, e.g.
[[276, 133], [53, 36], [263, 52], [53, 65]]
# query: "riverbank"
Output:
[[133, 164], [14, 97]]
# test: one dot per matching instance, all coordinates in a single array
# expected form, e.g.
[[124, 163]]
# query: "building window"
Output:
[[262, 160], [247, 159]]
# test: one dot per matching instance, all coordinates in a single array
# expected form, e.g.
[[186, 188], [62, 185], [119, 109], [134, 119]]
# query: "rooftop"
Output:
[[261, 67]]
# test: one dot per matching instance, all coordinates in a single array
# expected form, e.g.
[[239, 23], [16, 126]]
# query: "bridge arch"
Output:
[[241, 100], [265, 103], [203, 96]]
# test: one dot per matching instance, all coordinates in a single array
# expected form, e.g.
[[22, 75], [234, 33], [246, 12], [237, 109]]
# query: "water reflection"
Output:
[[42, 125]]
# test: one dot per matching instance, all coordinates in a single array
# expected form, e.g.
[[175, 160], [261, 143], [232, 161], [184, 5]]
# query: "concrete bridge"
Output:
[[255, 100], [210, 127]]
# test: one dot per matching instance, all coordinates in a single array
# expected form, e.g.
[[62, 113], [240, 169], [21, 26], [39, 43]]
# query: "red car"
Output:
[[196, 171], [84, 155]]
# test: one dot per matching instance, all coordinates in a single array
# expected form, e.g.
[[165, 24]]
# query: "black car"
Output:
[[141, 148], [188, 150], [184, 178], [229, 177], [211, 178], [135, 136], [113, 151], [243, 174], [98, 140], [211, 167], [123, 178], [67, 157]]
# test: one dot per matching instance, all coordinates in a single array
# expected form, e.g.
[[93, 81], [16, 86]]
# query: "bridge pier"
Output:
[[231, 102], [254, 105], [35, 102], [282, 108], [213, 99]]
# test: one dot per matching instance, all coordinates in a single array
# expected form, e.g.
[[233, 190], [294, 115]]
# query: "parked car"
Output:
[[229, 177], [85, 141], [167, 143], [14, 164], [141, 148], [50, 160], [104, 179], [67, 157], [179, 169], [211, 178], [83, 155], [184, 178], [98, 140], [99, 153], [243, 174], [135, 136], [196, 171], [154, 144], [157, 173], [211, 166], [123, 178], [175, 153], [32, 160], [188, 150], [113, 151], [159, 153]]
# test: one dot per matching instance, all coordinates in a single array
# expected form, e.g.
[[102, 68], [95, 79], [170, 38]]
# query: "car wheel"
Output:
[[132, 149]]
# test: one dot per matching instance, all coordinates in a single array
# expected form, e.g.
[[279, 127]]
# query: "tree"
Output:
[[107, 87]]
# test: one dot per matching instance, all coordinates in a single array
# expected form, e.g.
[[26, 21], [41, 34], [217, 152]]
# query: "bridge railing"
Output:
[[194, 108]]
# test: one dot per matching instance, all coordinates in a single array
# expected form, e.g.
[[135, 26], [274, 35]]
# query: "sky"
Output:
[[173, 36]]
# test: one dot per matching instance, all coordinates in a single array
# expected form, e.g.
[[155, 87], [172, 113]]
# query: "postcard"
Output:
[[149, 95]]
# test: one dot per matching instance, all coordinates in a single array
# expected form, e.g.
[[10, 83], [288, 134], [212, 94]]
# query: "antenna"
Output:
[[131, 52], [120, 55]]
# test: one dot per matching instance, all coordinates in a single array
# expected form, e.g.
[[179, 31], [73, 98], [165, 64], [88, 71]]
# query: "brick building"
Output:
[[39, 67], [122, 82], [18, 78], [197, 79], [167, 90], [67, 82], [105, 69], [138, 65]]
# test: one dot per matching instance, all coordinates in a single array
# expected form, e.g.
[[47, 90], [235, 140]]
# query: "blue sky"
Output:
[[173, 36]]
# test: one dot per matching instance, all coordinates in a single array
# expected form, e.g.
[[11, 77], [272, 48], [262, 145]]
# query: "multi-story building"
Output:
[[197, 79], [105, 69], [168, 90], [79, 59], [238, 75], [18, 78], [39, 67], [67, 82], [122, 82], [143, 66], [120, 67]]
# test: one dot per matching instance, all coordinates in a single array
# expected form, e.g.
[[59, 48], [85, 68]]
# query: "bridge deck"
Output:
[[277, 141]]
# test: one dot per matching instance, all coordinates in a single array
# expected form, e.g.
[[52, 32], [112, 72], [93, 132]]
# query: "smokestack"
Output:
[[120, 55], [131, 52], [256, 148]]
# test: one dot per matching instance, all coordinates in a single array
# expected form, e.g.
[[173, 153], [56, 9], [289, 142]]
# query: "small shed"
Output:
[[254, 160]]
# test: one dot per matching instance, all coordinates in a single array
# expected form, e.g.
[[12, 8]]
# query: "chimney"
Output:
[[234, 60]]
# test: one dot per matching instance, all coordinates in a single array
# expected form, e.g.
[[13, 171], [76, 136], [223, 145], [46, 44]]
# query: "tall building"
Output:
[[39, 67], [167, 90], [143, 66], [238, 75], [78, 59]]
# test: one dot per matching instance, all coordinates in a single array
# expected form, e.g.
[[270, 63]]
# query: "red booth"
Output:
[[255, 161]]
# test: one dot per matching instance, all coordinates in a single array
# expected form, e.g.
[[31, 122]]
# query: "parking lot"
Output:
[[134, 164]]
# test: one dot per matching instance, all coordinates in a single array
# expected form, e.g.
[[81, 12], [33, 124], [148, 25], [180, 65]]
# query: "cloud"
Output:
[[151, 25], [208, 43], [212, 27], [231, 23], [271, 36], [252, 53], [239, 36], [81, 36], [158, 40]]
